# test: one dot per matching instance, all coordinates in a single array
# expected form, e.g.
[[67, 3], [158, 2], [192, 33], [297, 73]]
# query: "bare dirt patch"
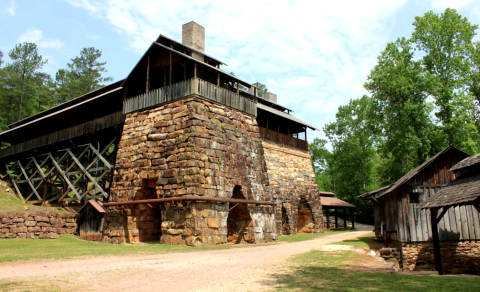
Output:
[[243, 269]]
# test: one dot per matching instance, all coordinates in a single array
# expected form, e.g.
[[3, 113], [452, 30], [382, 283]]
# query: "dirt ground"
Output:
[[242, 269]]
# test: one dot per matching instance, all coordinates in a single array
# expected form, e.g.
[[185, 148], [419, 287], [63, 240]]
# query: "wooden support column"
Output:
[[238, 87], [336, 218], [218, 79], [344, 218], [147, 86], [165, 76], [436, 240], [352, 216], [328, 218], [170, 74]]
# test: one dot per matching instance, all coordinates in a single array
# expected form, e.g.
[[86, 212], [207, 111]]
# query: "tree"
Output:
[[446, 41], [353, 137], [399, 90], [26, 62], [262, 89], [322, 164], [83, 75]]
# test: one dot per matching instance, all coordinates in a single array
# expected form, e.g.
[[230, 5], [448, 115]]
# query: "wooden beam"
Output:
[[328, 218], [86, 173], [28, 180], [336, 218], [15, 186], [444, 210], [344, 218], [352, 215], [436, 241], [147, 86], [170, 74], [194, 70], [65, 178], [476, 206], [107, 164], [218, 79]]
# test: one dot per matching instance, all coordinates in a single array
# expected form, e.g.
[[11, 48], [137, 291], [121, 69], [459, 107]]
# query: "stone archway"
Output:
[[285, 222], [305, 222], [238, 220]]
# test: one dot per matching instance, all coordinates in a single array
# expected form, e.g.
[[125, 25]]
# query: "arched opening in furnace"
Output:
[[305, 217], [238, 220], [285, 222]]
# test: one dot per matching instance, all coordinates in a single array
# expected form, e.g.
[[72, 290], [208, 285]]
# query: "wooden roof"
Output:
[[327, 194], [419, 168], [377, 191], [467, 162], [334, 202], [459, 192]]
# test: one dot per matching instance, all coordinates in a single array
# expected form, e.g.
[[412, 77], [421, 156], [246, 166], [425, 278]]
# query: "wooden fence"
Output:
[[189, 87], [283, 139], [65, 134]]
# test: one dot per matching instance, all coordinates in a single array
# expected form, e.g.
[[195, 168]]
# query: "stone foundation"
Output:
[[37, 225], [458, 257], [188, 147], [292, 183]]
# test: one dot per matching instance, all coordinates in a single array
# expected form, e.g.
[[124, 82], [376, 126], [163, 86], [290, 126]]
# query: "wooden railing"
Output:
[[282, 139], [189, 87], [65, 134]]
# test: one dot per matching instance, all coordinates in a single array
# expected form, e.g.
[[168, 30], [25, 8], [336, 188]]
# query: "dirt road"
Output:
[[242, 269]]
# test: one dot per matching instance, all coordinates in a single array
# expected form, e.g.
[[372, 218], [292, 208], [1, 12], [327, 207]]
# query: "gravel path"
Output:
[[240, 269]]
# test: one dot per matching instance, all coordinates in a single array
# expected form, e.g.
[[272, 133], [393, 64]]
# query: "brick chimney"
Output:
[[271, 97], [193, 35]]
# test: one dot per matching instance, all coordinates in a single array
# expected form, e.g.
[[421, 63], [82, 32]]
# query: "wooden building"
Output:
[[400, 220], [329, 202], [461, 256]]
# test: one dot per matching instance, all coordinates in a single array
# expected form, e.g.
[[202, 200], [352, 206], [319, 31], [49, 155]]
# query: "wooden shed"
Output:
[[462, 192], [329, 202], [400, 220], [91, 220]]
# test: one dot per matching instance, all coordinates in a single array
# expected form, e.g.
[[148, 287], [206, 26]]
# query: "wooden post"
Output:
[[328, 218], [170, 74], [352, 215], [147, 86], [195, 70], [336, 218], [345, 218], [238, 87], [436, 240], [218, 79], [165, 76]]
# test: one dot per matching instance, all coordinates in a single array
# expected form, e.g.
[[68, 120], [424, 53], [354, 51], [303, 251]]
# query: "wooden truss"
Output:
[[79, 173]]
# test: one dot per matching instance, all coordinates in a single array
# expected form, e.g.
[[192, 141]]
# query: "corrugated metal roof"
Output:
[[334, 202], [284, 115]]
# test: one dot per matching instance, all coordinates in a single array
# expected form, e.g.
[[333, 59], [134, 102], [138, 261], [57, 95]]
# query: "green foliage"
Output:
[[25, 90], [424, 96], [262, 89]]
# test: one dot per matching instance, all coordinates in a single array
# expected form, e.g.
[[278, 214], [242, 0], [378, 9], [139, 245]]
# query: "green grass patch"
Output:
[[305, 236], [325, 271], [9, 202], [68, 247], [366, 241]]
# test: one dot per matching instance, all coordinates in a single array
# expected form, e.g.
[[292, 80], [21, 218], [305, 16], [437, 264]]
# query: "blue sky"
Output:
[[315, 55]]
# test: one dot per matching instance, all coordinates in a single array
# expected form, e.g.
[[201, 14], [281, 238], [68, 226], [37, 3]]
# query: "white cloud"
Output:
[[456, 4], [315, 55], [11, 9], [36, 36]]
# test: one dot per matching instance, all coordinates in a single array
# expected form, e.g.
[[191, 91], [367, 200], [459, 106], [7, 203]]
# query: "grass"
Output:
[[305, 236], [68, 247], [328, 271], [9, 202]]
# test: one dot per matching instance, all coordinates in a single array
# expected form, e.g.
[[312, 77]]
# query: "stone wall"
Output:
[[37, 225], [291, 179], [458, 257], [188, 147]]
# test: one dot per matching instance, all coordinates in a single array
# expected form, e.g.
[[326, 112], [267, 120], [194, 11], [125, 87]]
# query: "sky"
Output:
[[315, 55]]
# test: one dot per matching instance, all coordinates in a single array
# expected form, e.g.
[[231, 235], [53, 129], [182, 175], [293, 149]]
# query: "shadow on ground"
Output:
[[326, 271]]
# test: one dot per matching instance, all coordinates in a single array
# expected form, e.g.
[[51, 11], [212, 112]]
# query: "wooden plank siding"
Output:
[[192, 86], [413, 224], [66, 134], [282, 139]]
